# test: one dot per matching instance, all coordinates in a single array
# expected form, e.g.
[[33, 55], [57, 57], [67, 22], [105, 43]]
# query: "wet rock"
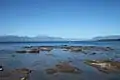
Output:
[[22, 51], [67, 68], [17, 74], [96, 48], [27, 46], [64, 45], [1, 68], [93, 53], [64, 68], [71, 48], [84, 48], [33, 51], [109, 48], [117, 59], [76, 49], [65, 49], [24, 78], [106, 66], [51, 71], [5, 74], [28, 51], [45, 48], [24, 71]]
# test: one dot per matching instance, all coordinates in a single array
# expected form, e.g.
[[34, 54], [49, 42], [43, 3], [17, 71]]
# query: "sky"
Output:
[[60, 18]]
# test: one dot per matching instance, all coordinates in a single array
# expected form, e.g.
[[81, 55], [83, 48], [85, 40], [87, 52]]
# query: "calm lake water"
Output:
[[40, 62]]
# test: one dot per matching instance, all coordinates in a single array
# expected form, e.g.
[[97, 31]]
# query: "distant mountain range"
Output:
[[28, 39], [12, 38], [108, 38]]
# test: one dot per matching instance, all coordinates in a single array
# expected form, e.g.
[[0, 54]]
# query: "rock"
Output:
[[33, 51], [96, 48], [109, 48], [24, 71], [64, 68], [93, 53], [51, 71], [23, 51], [5, 74], [45, 48], [75, 49], [64, 45], [24, 78], [28, 51], [67, 68], [1, 68], [65, 49], [17, 74], [27, 46], [106, 66]]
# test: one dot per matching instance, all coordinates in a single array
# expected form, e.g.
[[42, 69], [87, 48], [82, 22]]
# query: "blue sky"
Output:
[[60, 18]]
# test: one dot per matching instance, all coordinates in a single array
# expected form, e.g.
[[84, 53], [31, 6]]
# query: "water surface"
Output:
[[40, 62]]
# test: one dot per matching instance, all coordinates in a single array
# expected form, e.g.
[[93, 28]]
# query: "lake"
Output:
[[45, 60]]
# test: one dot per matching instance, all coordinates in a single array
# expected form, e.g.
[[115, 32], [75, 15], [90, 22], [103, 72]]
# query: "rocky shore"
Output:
[[37, 49]]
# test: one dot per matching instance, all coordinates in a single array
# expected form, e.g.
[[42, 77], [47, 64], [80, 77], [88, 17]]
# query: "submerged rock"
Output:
[[67, 68], [24, 71], [64, 68], [117, 59], [16, 74], [93, 53], [75, 49], [5, 74], [109, 48], [13, 55], [51, 71], [106, 66]]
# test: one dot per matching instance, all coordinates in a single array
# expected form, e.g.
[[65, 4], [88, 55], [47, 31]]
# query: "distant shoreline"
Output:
[[109, 40], [57, 41]]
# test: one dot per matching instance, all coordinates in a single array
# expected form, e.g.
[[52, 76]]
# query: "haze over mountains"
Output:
[[12, 38]]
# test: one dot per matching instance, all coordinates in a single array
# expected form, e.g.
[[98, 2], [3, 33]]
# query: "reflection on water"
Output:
[[66, 61]]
